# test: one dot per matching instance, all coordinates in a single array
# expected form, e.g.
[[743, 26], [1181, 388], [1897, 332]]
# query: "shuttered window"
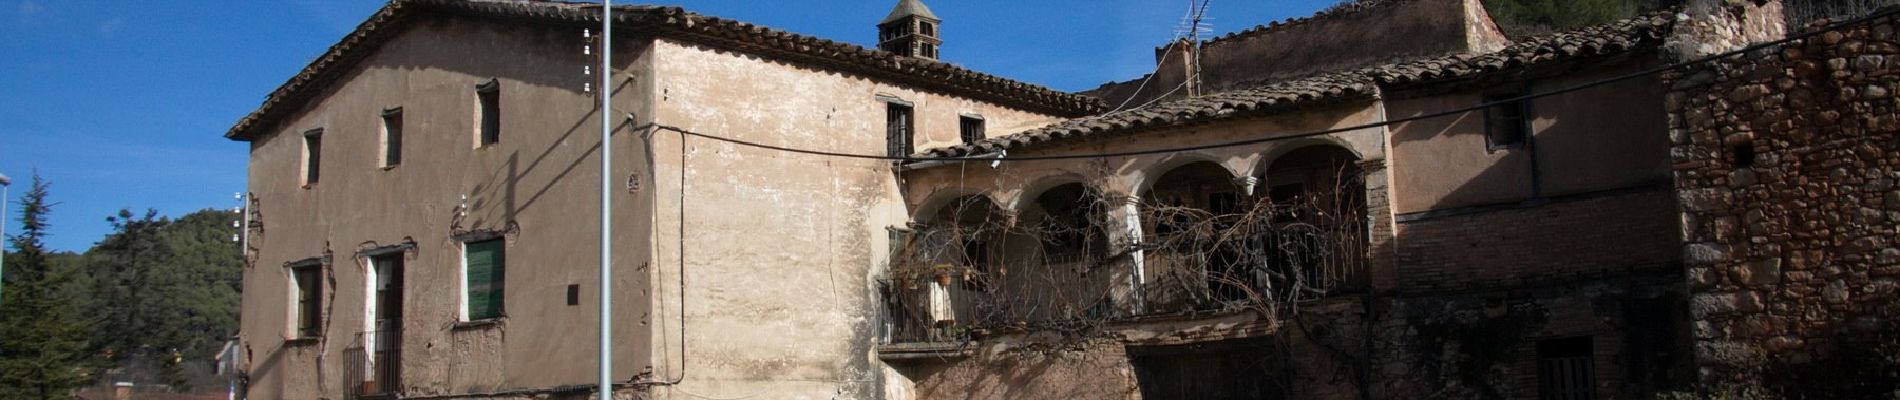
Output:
[[309, 311], [485, 263]]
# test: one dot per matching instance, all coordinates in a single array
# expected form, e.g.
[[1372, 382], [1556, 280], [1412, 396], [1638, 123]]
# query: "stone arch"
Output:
[[941, 197], [1148, 176], [1207, 185], [1071, 217], [1307, 167]]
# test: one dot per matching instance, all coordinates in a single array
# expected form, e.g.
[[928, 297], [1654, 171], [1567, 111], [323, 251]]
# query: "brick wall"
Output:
[[1585, 236], [1785, 167]]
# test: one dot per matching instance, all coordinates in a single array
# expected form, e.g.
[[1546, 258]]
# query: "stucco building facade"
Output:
[[1447, 213]]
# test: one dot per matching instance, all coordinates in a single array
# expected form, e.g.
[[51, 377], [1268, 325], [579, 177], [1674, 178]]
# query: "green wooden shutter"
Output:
[[486, 266]]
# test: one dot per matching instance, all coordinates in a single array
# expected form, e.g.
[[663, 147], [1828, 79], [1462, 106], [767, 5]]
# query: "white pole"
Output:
[[4, 184], [606, 206]]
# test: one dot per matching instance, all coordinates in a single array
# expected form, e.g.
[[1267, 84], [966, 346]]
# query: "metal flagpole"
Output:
[[606, 206]]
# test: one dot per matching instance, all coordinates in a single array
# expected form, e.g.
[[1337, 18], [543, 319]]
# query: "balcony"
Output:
[[1213, 265], [375, 367]]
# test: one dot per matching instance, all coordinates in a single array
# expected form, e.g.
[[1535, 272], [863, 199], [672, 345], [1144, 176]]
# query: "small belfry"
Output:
[[910, 30]]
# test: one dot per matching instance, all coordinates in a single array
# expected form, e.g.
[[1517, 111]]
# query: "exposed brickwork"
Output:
[[1785, 163], [1599, 236]]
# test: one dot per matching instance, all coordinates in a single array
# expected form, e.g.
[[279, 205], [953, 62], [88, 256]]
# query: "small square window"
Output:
[[392, 137], [488, 97], [307, 288], [484, 266], [1505, 123], [312, 156], [972, 129]]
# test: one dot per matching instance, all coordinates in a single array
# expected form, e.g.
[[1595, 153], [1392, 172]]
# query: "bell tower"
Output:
[[911, 30]]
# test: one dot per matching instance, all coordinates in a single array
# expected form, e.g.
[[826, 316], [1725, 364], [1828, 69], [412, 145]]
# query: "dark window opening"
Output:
[[929, 29], [929, 51], [486, 263], [309, 299], [898, 128], [972, 129], [1232, 369], [1069, 223], [312, 156], [392, 137], [573, 295], [1566, 369], [1505, 123], [1743, 154], [489, 95]]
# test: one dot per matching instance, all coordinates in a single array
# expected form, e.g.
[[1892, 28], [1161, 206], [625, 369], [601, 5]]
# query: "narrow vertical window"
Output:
[[898, 129], [312, 156], [392, 137], [1505, 124], [971, 128], [484, 267], [308, 313], [489, 97]]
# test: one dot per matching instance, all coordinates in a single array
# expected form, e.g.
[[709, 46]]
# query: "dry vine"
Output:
[[973, 270]]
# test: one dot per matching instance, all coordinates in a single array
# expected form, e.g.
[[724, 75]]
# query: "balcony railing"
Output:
[[374, 364], [1290, 262]]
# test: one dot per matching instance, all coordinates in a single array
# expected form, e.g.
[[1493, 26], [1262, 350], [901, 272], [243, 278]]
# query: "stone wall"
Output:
[[1785, 169]]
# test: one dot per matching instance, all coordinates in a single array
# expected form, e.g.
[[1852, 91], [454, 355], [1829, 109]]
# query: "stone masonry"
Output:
[[1785, 164]]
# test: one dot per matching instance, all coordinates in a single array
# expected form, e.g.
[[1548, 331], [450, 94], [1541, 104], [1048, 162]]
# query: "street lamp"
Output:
[[4, 183]]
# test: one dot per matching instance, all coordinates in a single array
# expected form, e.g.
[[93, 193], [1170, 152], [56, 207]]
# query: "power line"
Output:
[[1888, 12]]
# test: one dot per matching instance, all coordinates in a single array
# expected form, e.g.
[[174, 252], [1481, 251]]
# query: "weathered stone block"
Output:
[[1705, 253]]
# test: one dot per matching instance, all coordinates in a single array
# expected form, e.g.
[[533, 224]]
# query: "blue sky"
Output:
[[123, 104]]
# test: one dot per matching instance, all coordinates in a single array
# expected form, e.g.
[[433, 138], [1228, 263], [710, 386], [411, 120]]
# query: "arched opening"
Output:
[[1315, 238], [1068, 221], [941, 271], [1059, 256], [959, 241], [1189, 215]]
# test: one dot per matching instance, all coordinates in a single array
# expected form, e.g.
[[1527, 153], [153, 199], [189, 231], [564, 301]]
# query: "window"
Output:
[[312, 156], [928, 50], [489, 97], [1505, 124], [1565, 369], [483, 267], [972, 129], [308, 292], [898, 128], [1743, 153], [392, 137], [929, 29]]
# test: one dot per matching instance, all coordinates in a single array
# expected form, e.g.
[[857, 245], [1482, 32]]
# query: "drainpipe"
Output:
[[937, 163], [606, 205]]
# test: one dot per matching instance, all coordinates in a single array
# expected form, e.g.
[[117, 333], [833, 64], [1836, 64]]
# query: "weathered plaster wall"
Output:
[[538, 184], [1445, 163], [777, 249], [1785, 166], [1407, 29], [1331, 41]]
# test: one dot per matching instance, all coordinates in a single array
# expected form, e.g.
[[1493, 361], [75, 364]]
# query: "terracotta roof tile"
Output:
[[1641, 32], [672, 22]]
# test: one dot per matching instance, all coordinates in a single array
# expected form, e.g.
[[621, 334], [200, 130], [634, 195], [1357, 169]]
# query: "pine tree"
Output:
[[42, 344]]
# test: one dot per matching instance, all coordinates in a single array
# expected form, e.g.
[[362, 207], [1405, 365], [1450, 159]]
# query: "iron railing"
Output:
[[1289, 262], [375, 363]]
